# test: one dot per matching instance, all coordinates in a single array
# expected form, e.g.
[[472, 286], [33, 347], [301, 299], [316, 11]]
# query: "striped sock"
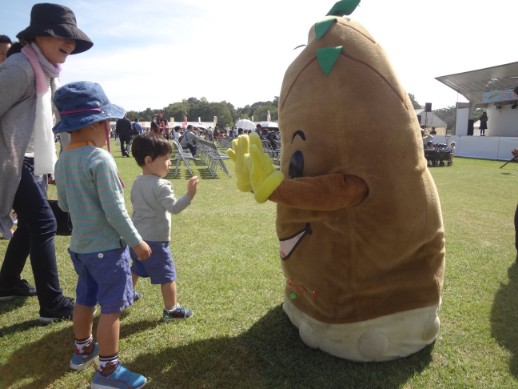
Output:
[[84, 346], [108, 364], [172, 308]]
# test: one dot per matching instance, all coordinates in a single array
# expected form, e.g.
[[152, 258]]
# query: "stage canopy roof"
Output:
[[483, 86]]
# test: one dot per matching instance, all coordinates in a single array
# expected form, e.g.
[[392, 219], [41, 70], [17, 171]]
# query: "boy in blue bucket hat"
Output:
[[89, 187]]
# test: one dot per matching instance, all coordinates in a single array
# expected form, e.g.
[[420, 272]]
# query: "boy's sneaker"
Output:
[[120, 378], [82, 361], [136, 296], [21, 289], [62, 311], [178, 313]]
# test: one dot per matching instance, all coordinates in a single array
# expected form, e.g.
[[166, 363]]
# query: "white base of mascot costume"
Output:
[[358, 214]]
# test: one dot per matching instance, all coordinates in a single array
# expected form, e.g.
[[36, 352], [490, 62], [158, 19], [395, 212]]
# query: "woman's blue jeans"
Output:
[[34, 237]]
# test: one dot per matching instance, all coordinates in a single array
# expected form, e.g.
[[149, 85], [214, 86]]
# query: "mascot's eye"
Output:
[[296, 165]]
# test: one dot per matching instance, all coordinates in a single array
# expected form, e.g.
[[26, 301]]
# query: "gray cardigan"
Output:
[[17, 113]]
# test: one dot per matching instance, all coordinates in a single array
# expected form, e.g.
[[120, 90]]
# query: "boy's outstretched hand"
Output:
[[142, 250], [192, 185]]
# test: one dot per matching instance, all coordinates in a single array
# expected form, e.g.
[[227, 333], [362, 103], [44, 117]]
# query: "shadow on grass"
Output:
[[11, 305], [18, 327], [50, 357], [205, 174], [504, 316], [271, 355], [201, 171]]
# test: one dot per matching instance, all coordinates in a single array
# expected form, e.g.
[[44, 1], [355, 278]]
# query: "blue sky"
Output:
[[149, 53]]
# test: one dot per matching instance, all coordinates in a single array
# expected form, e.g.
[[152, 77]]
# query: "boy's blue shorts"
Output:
[[104, 278], [159, 267]]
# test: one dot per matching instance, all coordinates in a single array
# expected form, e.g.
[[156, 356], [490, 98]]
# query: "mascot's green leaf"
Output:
[[327, 57], [344, 7], [322, 27]]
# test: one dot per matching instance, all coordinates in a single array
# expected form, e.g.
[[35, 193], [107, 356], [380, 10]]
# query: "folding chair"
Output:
[[181, 155]]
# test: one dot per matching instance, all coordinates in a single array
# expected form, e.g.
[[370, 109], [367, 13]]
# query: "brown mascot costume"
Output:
[[358, 214]]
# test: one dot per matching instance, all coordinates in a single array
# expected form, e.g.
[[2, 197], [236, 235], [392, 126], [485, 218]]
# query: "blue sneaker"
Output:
[[82, 361], [120, 378], [178, 312]]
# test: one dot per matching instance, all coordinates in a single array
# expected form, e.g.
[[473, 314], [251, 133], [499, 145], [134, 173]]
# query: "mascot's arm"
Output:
[[321, 193]]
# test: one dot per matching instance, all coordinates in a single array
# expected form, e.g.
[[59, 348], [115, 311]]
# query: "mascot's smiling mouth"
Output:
[[288, 245]]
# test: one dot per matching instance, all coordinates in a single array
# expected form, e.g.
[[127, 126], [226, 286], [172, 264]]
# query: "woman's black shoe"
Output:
[[21, 289]]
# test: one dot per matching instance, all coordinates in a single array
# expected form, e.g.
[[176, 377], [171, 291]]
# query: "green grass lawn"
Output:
[[229, 274]]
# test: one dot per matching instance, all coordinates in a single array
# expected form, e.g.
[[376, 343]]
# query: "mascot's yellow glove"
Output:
[[263, 175], [240, 149]]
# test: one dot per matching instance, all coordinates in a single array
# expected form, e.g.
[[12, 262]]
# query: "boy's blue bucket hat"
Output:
[[83, 103]]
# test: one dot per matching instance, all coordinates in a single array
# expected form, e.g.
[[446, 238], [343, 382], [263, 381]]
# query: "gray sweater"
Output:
[[17, 113], [153, 202]]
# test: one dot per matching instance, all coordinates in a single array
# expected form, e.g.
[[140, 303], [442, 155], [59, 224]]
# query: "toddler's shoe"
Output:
[[136, 296], [120, 378], [177, 313], [82, 361]]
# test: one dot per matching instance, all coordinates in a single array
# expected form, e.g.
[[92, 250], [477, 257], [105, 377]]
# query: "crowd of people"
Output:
[[124, 131]]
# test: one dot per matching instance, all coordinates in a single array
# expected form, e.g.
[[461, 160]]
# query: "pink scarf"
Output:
[[44, 145]]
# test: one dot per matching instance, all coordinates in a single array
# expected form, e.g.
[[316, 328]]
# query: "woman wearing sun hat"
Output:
[[27, 154]]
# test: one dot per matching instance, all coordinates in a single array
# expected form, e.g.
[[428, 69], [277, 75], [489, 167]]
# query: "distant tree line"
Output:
[[227, 114], [194, 108]]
